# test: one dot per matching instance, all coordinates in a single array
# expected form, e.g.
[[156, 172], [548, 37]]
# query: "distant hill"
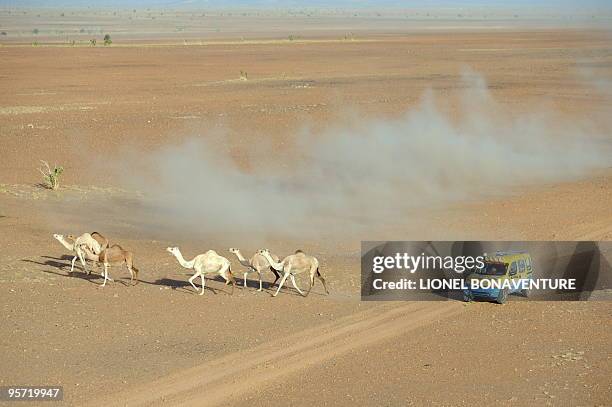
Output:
[[306, 3]]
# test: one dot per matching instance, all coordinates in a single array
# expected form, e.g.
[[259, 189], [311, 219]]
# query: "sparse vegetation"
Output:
[[244, 76], [35, 31], [3, 33], [51, 177], [107, 40]]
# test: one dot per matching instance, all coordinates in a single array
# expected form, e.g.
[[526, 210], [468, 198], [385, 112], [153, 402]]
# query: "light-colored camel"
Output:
[[256, 264], [114, 255], [102, 241], [77, 245], [294, 264], [207, 263]]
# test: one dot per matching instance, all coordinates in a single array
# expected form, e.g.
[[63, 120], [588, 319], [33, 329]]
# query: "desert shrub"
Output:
[[92, 42], [3, 33], [35, 31], [107, 39], [50, 176], [244, 75]]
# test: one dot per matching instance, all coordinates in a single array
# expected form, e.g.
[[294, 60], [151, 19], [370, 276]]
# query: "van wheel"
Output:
[[467, 297], [525, 293], [502, 296]]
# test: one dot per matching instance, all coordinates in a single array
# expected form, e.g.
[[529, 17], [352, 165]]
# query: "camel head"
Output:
[[173, 250], [233, 250], [58, 237], [262, 251]]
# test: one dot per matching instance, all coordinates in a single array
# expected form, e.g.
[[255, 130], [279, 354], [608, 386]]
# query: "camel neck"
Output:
[[67, 245], [275, 265], [182, 261], [241, 258]]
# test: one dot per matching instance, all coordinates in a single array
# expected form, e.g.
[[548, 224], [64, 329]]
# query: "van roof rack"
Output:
[[508, 253]]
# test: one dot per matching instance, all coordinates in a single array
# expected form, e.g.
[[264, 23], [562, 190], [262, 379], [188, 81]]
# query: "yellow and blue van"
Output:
[[512, 266]]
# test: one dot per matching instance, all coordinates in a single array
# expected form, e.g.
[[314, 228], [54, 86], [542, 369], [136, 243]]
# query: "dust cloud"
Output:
[[354, 180]]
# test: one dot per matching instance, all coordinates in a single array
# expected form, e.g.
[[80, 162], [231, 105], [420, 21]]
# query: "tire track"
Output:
[[228, 377]]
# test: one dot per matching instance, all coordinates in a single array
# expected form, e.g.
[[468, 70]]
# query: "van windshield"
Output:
[[493, 269]]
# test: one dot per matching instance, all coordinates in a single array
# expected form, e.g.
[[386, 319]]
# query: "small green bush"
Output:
[[51, 177]]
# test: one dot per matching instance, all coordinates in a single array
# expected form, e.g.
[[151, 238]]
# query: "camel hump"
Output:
[[117, 246], [298, 251]]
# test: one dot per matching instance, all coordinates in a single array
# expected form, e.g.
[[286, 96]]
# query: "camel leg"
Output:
[[82, 260], [232, 279], [105, 274], [131, 273], [225, 272], [296, 286], [276, 276], [323, 282], [245, 275], [84, 263], [260, 283], [281, 284], [73, 261], [318, 275], [203, 283], [192, 284]]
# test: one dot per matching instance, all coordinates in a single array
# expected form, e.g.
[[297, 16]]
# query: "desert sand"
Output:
[[97, 111]]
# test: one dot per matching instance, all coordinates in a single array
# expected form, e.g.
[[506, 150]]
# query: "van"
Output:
[[514, 266]]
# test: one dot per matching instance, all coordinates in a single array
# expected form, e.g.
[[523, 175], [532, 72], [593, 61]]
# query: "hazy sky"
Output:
[[311, 3]]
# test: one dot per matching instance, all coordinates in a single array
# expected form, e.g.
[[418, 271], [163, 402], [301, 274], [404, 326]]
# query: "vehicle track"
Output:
[[223, 379]]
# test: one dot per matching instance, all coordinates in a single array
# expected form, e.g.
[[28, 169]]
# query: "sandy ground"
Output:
[[159, 343]]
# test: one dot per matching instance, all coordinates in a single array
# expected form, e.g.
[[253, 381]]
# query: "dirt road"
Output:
[[223, 379]]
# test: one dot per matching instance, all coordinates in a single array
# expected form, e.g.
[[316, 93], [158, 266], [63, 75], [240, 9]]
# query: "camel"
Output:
[[78, 244], [258, 264], [207, 263], [296, 264], [102, 241], [114, 255]]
